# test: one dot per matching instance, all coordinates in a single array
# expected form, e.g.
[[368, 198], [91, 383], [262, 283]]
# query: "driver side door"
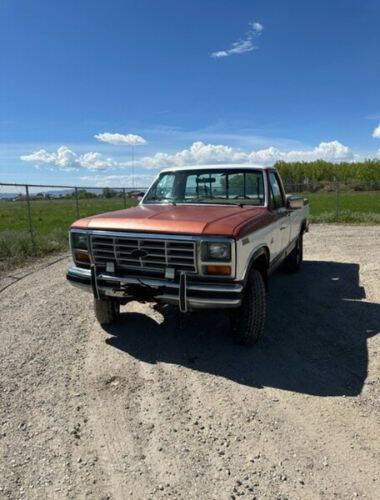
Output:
[[278, 206]]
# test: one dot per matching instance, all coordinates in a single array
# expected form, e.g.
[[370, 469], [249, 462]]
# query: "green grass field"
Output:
[[50, 215], [355, 202], [52, 219]]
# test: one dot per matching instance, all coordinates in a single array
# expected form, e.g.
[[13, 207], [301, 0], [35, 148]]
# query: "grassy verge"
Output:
[[346, 217], [51, 221], [16, 247]]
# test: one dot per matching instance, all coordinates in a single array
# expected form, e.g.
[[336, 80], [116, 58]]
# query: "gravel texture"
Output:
[[166, 406]]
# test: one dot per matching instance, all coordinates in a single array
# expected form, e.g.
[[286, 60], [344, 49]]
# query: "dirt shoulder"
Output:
[[165, 406]]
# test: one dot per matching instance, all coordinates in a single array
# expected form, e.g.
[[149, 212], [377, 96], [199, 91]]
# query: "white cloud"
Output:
[[219, 53], [257, 27], [376, 132], [138, 180], [244, 45], [65, 159], [200, 153], [121, 139], [96, 161]]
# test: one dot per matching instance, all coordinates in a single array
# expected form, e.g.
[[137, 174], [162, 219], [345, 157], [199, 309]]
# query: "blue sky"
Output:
[[200, 81]]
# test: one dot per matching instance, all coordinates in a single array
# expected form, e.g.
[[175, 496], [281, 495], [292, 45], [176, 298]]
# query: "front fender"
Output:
[[259, 258]]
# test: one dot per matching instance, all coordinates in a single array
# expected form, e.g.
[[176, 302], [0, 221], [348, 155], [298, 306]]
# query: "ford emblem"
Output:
[[139, 254]]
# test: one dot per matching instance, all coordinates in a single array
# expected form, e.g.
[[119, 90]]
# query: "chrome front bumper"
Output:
[[186, 293]]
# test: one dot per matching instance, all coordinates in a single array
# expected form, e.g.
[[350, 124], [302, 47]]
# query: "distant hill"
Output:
[[7, 196], [57, 193], [54, 193]]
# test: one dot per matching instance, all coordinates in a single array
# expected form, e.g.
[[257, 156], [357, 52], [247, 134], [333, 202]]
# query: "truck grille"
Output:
[[144, 253]]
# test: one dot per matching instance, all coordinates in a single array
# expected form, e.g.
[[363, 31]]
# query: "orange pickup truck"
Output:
[[202, 237]]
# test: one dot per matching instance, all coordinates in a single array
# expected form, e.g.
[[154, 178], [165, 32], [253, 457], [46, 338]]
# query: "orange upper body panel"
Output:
[[233, 221]]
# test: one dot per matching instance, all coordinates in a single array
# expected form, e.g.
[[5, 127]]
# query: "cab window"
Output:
[[276, 197]]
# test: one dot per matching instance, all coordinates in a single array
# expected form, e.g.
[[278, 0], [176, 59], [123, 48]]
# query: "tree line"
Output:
[[320, 170]]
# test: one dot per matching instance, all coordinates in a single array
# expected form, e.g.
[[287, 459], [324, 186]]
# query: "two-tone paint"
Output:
[[252, 231]]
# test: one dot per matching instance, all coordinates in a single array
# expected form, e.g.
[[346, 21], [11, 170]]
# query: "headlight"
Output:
[[79, 241], [216, 251]]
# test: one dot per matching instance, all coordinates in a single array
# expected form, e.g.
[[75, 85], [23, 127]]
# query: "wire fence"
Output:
[[337, 201], [40, 211]]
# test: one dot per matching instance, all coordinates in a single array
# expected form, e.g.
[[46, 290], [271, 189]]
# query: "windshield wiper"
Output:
[[161, 201], [169, 201], [215, 201]]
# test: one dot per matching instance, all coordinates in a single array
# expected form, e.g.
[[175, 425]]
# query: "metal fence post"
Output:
[[77, 201], [337, 198], [125, 198], [30, 217]]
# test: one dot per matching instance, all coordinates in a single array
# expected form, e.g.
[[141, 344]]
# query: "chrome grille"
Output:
[[144, 253]]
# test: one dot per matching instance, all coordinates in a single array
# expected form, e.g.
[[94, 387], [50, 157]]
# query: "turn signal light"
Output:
[[81, 256], [219, 270]]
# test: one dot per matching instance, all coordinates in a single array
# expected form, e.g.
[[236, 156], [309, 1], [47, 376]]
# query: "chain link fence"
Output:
[[34, 219], [336, 201]]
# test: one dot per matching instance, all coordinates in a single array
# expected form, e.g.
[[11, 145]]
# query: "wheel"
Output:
[[294, 260], [106, 311], [248, 320]]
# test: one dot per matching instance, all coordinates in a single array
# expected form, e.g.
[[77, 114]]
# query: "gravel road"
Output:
[[166, 406]]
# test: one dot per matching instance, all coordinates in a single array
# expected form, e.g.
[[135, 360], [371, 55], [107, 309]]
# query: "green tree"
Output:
[[109, 193]]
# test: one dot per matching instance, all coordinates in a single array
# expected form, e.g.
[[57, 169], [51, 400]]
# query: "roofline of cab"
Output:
[[216, 167]]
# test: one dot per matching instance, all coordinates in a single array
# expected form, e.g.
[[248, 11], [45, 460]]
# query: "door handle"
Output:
[[283, 227]]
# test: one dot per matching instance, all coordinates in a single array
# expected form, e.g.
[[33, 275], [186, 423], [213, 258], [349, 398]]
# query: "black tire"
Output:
[[294, 260], [248, 320], [106, 311]]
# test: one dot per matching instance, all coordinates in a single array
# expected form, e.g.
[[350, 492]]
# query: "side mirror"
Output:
[[295, 201]]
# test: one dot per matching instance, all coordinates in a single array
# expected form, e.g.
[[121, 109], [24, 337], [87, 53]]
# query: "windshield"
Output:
[[234, 186]]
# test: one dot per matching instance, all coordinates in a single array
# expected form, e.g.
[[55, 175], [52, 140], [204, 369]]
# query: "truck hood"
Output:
[[223, 220]]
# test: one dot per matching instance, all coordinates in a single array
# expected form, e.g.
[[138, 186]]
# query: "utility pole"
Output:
[[133, 165]]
